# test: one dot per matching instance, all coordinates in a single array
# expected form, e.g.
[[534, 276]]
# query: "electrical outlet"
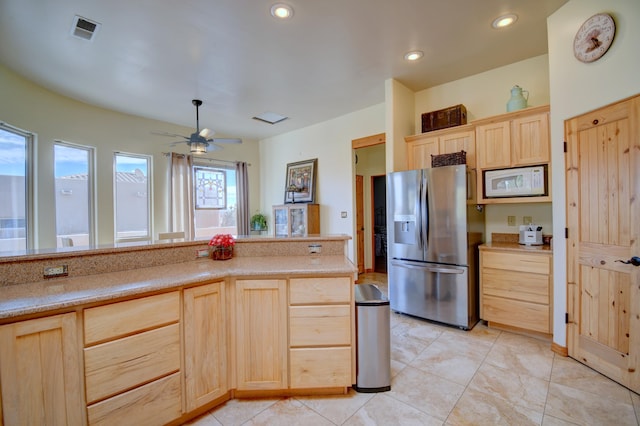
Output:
[[527, 220], [511, 220], [56, 271]]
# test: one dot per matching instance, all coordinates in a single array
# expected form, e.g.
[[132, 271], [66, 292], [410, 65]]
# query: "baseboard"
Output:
[[560, 350]]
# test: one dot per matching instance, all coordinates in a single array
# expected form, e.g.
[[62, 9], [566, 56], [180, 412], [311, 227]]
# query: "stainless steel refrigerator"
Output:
[[433, 231]]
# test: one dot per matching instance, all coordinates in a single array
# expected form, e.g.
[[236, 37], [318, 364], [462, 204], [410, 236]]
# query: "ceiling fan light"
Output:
[[199, 147]]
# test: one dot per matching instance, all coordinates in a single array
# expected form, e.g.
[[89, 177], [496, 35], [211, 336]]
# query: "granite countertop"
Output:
[[67, 293], [511, 246]]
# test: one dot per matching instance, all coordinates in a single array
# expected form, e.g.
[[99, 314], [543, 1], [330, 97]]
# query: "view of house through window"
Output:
[[73, 168], [132, 197], [15, 177], [215, 201]]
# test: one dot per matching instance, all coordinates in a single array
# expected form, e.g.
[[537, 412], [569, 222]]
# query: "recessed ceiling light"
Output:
[[504, 20], [413, 55], [281, 11]]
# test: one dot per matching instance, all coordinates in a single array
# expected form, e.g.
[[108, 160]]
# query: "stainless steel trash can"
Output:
[[373, 350]]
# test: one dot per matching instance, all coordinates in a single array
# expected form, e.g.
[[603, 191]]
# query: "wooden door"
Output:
[[360, 222], [40, 372], [419, 153], [530, 140], [603, 217], [493, 145], [205, 344], [261, 334]]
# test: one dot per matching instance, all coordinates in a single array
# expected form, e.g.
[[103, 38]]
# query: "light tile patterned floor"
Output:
[[445, 376]]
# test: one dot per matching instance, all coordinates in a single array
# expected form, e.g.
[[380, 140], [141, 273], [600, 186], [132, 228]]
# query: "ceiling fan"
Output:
[[200, 141]]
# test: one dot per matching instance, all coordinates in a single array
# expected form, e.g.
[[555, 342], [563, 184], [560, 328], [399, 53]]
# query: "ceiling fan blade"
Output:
[[171, 135], [226, 140], [207, 133], [212, 147]]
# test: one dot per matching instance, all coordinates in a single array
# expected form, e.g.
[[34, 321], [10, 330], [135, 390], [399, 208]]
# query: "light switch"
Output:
[[343, 215]]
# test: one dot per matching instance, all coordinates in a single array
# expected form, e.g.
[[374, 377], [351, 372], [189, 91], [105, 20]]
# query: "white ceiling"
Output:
[[151, 57]]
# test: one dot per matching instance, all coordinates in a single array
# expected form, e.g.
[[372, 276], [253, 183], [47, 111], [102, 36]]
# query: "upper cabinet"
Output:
[[421, 147], [516, 139]]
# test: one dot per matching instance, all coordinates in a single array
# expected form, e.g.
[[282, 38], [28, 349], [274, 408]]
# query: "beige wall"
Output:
[[54, 117], [576, 88], [330, 143]]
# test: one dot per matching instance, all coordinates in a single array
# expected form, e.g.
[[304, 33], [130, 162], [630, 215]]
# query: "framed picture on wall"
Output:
[[300, 182]]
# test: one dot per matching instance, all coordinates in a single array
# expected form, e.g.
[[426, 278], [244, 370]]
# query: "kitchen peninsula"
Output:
[[151, 332]]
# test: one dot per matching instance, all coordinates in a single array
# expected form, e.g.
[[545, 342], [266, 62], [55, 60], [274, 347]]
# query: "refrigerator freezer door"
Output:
[[447, 213], [432, 291], [404, 237]]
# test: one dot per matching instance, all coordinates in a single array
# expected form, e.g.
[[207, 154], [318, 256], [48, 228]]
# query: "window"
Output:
[[132, 196], [74, 177], [215, 200], [16, 189]]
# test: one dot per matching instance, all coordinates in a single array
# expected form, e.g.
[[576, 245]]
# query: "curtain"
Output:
[[181, 195], [242, 182]]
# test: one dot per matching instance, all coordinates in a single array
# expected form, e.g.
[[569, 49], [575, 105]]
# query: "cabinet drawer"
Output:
[[122, 364], [516, 285], [124, 318], [524, 262], [320, 367], [320, 290], [319, 325], [155, 403], [526, 315]]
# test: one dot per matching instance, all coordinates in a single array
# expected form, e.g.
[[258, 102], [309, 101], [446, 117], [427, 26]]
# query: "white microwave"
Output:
[[517, 182]]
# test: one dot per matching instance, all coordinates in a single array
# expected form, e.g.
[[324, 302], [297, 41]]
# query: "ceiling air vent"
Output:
[[84, 28]]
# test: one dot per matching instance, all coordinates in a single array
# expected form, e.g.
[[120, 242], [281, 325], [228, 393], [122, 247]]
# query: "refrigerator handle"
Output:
[[420, 233], [426, 215]]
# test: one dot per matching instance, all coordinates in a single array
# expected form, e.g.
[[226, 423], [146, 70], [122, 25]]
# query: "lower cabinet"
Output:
[[320, 334], [132, 361], [261, 334], [40, 379], [515, 289], [205, 344]]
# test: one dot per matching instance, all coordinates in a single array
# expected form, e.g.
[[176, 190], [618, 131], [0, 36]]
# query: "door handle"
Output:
[[635, 261]]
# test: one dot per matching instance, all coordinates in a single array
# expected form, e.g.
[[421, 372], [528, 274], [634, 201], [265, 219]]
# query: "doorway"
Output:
[[379, 220], [369, 157]]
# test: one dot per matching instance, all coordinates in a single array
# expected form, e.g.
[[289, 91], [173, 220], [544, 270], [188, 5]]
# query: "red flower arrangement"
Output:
[[221, 246]]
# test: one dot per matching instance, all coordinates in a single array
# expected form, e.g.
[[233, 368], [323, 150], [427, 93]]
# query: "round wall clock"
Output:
[[594, 37]]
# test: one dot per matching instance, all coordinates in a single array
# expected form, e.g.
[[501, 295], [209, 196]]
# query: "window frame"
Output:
[[149, 235], [30, 170], [91, 183]]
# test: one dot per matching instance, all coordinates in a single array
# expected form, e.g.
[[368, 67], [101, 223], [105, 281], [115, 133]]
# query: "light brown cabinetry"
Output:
[[39, 375], [205, 344], [296, 220], [320, 333], [132, 361], [261, 334], [513, 140], [515, 289], [421, 147]]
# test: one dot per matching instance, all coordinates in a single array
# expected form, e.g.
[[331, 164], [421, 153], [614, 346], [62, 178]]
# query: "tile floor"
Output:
[[445, 376]]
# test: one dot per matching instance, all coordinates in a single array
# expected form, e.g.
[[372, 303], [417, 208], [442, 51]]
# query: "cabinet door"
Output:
[[205, 344], [530, 140], [261, 334], [420, 152], [461, 141], [40, 372], [493, 149]]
